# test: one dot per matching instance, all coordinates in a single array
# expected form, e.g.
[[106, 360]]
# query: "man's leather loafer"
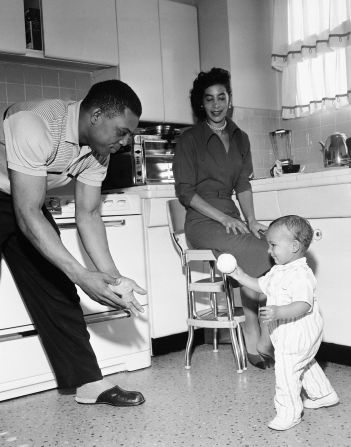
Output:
[[115, 396]]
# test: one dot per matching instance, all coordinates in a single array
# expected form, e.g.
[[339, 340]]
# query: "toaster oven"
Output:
[[147, 161], [153, 158]]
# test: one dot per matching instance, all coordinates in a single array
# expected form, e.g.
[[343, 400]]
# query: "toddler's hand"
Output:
[[237, 273], [268, 313]]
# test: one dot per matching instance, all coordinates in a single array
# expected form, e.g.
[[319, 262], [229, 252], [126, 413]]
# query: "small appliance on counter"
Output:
[[147, 161], [281, 143], [336, 150]]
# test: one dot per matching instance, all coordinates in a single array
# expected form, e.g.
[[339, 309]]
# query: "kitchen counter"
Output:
[[327, 176], [151, 191]]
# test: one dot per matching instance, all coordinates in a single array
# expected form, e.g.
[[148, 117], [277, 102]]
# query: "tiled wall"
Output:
[[257, 123], [306, 134], [308, 131], [19, 82]]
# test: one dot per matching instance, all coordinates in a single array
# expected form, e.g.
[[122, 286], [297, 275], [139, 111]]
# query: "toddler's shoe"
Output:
[[327, 401], [279, 424]]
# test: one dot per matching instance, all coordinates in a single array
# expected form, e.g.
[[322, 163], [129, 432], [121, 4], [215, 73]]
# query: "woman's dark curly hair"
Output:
[[202, 82]]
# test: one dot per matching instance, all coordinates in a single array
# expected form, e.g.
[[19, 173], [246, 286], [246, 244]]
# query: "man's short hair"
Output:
[[112, 97]]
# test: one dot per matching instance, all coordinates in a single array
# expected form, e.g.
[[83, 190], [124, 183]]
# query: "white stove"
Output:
[[63, 207], [121, 341]]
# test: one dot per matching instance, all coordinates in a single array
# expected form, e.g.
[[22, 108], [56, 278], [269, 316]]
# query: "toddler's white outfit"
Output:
[[296, 342]]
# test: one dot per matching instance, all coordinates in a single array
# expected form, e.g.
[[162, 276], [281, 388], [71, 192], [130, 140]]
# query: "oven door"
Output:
[[125, 238], [158, 159]]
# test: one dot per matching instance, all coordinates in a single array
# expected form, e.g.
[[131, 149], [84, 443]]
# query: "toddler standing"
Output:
[[294, 321]]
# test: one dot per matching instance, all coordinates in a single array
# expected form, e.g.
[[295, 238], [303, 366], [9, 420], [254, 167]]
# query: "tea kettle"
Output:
[[335, 150]]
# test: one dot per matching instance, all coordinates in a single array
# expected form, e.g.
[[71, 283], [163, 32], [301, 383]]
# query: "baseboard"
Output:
[[176, 342], [330, 352]]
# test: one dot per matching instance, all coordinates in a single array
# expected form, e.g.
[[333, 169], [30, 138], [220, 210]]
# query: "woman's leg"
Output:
[[251, 327], [257, 338]]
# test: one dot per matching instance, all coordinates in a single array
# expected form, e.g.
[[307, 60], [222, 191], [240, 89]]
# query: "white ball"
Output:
[[226, 263]]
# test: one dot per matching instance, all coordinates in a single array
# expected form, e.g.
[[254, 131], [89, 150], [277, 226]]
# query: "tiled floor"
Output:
[[210, 405]]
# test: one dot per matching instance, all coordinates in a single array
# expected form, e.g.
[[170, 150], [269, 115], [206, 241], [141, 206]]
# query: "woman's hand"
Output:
[[255, 228], [234, 225]]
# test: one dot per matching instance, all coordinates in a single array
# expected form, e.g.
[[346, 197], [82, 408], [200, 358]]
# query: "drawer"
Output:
[[266, 205], [317, 201], [155, 212], [120, 345]]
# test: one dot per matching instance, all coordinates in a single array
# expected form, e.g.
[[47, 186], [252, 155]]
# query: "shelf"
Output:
[[37, 58]]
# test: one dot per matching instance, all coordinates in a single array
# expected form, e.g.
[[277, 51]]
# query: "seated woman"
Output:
[[213, 159]]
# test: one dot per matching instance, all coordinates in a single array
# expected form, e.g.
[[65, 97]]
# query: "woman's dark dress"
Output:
[[202, 165]]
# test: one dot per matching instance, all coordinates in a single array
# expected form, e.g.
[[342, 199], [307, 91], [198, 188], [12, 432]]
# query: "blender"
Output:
[[281, 143]]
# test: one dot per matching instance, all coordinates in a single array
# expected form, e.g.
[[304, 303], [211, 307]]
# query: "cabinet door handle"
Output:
[[115, 223], [107, 316]]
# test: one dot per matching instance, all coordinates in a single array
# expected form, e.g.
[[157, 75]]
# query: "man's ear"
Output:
[[296, 245], [95, 116]]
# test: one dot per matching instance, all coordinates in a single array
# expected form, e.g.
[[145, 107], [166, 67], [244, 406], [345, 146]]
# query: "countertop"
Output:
[[328, 176]]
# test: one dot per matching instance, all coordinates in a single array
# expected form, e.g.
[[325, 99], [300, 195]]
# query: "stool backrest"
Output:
[[176, 219], [176, 216]]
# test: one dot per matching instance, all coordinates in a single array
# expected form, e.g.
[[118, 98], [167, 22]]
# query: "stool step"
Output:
[[205, 285], [206, 318], [212, 323]]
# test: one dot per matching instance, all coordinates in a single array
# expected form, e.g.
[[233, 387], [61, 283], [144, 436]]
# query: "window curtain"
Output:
[[312, 49]]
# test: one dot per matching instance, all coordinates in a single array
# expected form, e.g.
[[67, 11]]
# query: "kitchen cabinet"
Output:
[[80, 30], [180, 58], [12, 31], [324, 198], [160, 58], [329, 256], [236, 35], [166, 282], [140, 53], [167, 286]]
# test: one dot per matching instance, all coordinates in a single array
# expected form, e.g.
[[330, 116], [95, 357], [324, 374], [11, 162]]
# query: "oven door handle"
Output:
[[106, 316], [89, 319], [114, 223]]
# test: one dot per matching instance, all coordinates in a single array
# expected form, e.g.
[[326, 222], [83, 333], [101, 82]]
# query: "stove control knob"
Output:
[[54, 205]]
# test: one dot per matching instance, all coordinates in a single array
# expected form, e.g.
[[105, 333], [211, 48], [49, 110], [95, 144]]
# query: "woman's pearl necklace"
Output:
[[218, 129]]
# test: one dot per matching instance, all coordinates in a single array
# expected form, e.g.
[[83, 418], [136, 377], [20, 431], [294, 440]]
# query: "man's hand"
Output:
[[102, 288], [125, 288]]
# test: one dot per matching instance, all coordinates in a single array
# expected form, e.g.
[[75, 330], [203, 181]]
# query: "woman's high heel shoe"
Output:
[[269, 360], [256, 360]]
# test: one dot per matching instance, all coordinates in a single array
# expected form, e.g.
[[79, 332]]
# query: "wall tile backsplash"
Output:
[[257, 123], [21, 82], [306, 134]]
